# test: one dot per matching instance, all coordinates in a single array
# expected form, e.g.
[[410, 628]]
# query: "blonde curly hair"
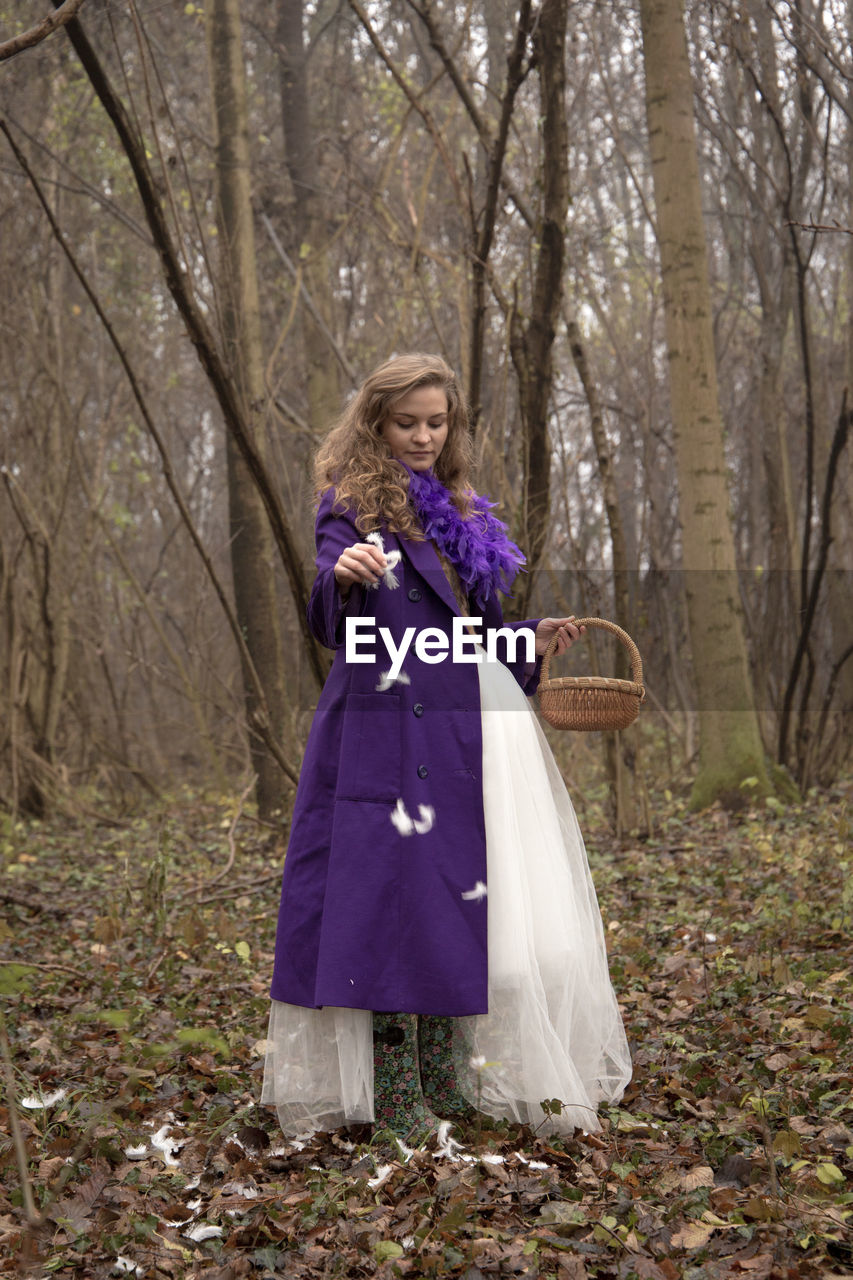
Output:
[[356, 462]]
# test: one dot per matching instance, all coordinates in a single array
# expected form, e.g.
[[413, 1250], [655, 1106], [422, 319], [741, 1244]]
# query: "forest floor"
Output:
[[135, 965]]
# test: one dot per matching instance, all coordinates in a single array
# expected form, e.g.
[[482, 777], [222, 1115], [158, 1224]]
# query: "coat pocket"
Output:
[[370, 766]]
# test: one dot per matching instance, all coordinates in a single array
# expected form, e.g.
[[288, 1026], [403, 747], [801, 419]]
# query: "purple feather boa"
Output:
[[484, 557]]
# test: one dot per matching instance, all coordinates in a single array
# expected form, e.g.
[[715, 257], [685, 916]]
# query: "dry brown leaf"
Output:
[[760, 1265], [724, 1199], [701, 1175], [693, 1235], [777, 1061], [75, 1209], [571, 1267], [787, 1143], [668, 1181], [818, 1016], [648, 1269], [678, 960], [760, 1209], [48, 1169], [669, 1269]]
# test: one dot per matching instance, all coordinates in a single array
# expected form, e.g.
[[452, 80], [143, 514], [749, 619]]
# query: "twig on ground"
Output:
[[767, 1138], [32, 1215], [232, 846], [32, 904], [156, 965], [48, 968], [237, 890]]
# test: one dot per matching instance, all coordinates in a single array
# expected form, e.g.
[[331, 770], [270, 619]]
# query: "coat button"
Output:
[[422, 771], [414, 594], [418, 708]]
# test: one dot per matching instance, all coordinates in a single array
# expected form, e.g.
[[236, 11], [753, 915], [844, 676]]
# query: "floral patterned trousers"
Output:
[[415, 1080]]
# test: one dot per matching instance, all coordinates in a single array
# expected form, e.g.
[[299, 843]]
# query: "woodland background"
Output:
[[259, 201], [628, 225]]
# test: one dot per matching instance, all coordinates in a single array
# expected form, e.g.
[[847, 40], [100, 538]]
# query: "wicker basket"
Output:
[[592, 702]]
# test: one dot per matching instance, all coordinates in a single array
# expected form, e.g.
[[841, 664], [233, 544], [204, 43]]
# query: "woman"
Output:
[[439, 943]]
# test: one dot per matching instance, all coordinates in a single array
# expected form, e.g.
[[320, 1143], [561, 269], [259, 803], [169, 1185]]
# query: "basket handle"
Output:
[[633, 652]]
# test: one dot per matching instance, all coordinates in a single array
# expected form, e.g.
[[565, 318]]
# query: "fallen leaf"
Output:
[[571, 1267], [777, 1062], [760, 1209], [818, 1016], [693, 1235], [759, 1266], [830, 1174], [565, 1212], [735, 1171], [702, 1175], [787, 1143], [76, 1209], [385, 1249]]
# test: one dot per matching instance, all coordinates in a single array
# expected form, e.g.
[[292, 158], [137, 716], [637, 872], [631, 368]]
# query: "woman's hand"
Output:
[[565, 629], [362, 562]]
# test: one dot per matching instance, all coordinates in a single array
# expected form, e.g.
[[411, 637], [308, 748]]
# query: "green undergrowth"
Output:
[[135, 967]]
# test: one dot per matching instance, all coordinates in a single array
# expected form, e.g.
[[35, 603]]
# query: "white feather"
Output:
[[447, 1146], [427, 819], [406, 825], [204, 1231], [477, 894], [401, 819], [44, 1100], [392, 559], [386, 680]]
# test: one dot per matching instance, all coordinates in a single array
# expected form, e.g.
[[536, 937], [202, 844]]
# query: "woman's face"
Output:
[[416, 428]]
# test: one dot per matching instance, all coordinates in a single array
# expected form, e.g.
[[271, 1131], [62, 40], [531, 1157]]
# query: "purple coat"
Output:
[[371, 918]]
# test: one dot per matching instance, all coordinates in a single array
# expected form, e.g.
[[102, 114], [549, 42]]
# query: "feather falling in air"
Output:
[[406, 825]]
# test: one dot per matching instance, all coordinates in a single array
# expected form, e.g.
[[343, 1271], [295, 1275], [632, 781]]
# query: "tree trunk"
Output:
[[622, 750], [308, 231], [730, 748], [252, 551], [531, 344], [841, 615]]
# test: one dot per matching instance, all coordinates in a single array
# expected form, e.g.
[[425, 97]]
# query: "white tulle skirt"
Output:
[[553, 1030]]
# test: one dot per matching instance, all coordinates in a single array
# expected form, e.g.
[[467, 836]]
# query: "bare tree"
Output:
[[252, 550], [730, 742]]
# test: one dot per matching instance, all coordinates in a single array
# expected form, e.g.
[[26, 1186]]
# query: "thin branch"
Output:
[[232, 844], [479, 122], [339, 354], [35, 35], [261, 725], [32, 1215], [413, 98], [240, 890], [48, 968], [79, 186], [515, 75], [821, 226], [839, 440], [201, 337], [32, 904]]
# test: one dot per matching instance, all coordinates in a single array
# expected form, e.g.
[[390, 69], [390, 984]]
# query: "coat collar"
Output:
[[424, 559]]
